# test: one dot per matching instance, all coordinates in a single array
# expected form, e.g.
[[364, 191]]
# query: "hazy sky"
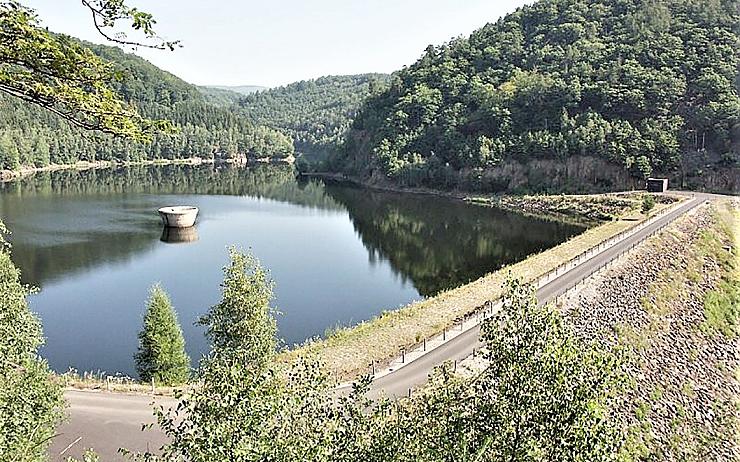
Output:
[[275, 42]]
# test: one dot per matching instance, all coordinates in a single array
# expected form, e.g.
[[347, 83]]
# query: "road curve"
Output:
[[107, 421]]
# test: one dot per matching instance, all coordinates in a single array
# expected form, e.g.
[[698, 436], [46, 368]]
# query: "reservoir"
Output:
[[93, 243]]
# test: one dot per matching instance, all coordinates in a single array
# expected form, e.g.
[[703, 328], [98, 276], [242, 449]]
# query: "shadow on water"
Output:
[[93, 242], [441, 243]]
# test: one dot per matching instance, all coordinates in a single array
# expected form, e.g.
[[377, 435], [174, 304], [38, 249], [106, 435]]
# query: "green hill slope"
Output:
[[34, 137], [219, 96], [563, 95], [314, 113], [239, 89]]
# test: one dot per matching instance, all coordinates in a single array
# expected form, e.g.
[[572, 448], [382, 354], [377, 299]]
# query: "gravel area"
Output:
[[683, 404], [683, 399]]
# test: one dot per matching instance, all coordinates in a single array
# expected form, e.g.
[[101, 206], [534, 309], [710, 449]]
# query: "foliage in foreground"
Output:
[[545, 396], [161, 356], [30, 401], [66, 78]]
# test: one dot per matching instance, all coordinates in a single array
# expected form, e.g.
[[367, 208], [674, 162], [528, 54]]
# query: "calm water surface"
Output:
[[93, 243]]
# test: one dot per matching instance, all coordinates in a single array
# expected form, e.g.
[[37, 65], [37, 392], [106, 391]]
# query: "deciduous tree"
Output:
[[31, 401]]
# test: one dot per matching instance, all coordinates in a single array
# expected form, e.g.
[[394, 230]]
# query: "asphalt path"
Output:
[[108, 421], [398, 383]]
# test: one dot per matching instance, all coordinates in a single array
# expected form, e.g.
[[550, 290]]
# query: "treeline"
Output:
[[314, 113], [31, 136], [648, 86]]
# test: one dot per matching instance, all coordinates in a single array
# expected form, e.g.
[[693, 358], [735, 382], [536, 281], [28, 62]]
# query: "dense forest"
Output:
[[637, 87], [314, 113], [31, 136], [220, 96]]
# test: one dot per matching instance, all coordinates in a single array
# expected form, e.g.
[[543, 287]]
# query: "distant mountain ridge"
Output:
[[241, 89], [315, 113]]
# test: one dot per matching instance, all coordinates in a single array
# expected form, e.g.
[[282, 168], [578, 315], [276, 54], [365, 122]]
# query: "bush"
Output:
[[648, 202], [161, 354], [30, 402], [544, 397]]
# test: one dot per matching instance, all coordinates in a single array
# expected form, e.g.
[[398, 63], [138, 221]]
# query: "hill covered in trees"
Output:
[[32, 136], [314, 113], [239, 89], [563, 95], [220, 96]]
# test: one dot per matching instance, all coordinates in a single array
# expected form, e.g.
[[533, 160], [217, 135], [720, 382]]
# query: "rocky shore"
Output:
[[683, 402], [588, 208]]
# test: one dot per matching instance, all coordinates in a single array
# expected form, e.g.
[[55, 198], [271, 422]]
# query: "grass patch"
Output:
[[722, 304]]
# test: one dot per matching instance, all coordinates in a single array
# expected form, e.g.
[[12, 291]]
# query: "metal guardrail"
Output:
[[490, 306]]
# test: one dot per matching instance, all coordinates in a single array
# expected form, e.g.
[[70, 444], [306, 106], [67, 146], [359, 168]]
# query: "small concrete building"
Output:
[[657, 185]]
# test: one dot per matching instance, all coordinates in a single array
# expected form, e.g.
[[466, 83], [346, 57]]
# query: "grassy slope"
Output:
[[348, 352]]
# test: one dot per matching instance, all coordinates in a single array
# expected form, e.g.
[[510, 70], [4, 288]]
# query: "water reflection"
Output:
[[339, 254], [433, 242], [179, 235], [441, 243]]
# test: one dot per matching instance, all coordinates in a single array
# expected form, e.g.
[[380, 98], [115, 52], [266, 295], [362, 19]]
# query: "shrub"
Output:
[[161, 356], [30, 402], [648, 202]]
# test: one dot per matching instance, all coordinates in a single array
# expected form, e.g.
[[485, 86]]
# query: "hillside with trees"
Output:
[[238, 89], [220, 96], [31, 136], [314, 113], [563, 95]]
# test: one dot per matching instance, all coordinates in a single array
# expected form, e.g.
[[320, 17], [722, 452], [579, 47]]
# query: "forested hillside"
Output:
[[34, 137], [239, 89], [563, 95], [314, 113], [220, 96]]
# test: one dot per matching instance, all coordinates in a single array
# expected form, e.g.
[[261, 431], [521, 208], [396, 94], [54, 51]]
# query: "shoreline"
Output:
[[461, 295], [22, 172], [488, 200]]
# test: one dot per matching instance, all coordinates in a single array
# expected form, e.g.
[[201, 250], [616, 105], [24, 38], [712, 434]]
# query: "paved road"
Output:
[[416, 373], [108, 421]]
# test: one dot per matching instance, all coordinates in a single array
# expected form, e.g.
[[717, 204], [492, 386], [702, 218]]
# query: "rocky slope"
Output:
[[683, 360]]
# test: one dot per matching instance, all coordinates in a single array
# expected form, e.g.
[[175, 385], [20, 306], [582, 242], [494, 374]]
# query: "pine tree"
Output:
[[161, 354]]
